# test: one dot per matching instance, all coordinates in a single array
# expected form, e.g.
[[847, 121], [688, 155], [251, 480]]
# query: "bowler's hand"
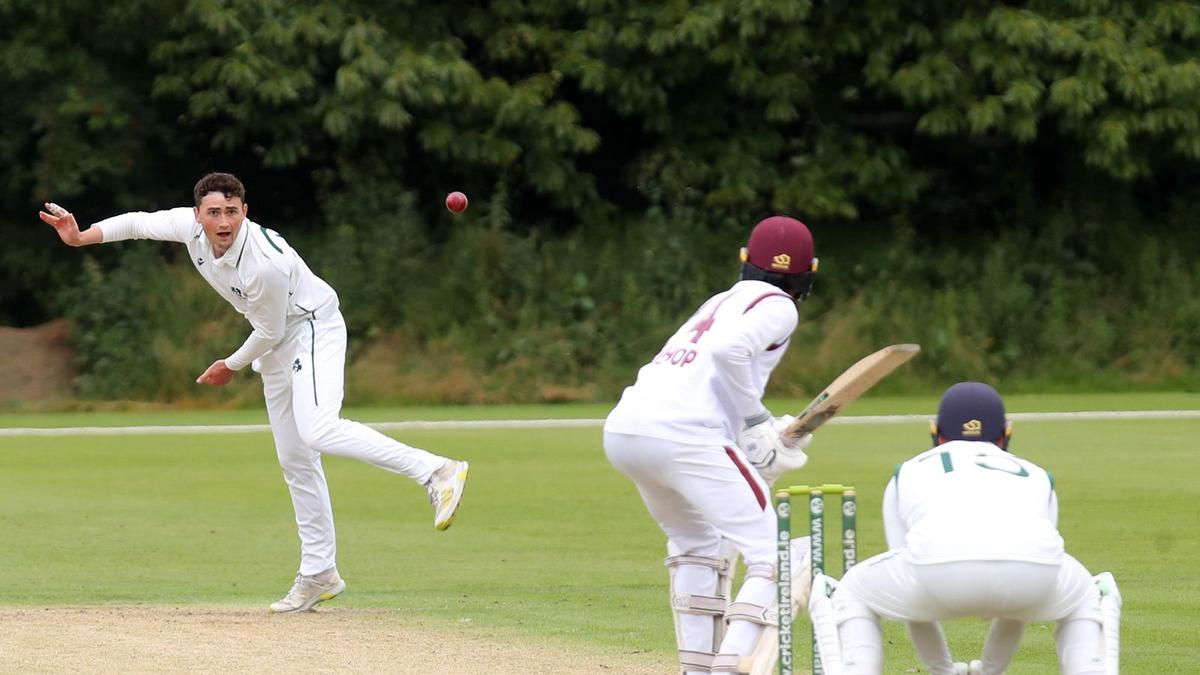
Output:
[[63, 222], [217, 374]]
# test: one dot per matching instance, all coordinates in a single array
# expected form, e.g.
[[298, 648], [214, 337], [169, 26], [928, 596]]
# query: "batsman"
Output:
[[693, 435]]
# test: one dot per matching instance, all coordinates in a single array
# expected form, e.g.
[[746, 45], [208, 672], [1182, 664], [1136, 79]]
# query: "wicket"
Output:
[[816, 528]]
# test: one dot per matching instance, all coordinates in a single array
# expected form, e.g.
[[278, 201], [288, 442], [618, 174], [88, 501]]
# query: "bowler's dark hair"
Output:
[[225, 183]]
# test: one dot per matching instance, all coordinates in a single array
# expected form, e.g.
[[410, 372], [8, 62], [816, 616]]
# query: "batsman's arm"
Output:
[[768, 326]]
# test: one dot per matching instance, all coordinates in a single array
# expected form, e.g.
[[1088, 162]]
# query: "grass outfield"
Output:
[[551, 542]]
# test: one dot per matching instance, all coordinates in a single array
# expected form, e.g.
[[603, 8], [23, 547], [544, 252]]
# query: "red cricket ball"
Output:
[[456, 202]]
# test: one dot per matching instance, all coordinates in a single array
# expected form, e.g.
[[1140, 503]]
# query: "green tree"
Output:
[[982, 177]]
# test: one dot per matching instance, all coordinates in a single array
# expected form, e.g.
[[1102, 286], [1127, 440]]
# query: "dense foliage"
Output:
[[1010, 185]]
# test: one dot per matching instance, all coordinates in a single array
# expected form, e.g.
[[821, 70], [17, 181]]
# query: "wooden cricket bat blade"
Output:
[[848, 386]]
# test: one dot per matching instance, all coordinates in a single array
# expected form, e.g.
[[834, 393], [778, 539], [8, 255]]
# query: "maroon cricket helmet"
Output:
[[781, 245], [780, 252]]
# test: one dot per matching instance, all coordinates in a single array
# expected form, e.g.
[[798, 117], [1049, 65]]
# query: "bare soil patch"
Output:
[[36, 362], [250, 640]]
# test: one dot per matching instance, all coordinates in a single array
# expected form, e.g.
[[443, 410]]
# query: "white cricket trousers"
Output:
[[303, 380], [896, 588], [1010, 592], [700, 495]]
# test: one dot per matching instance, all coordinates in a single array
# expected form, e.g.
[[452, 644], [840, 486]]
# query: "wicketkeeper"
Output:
[[694, 436], [973, 532]]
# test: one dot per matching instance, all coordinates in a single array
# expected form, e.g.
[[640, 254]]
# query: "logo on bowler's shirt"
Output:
[[238, 292], [972, 428], [199, 262], [296, 366]]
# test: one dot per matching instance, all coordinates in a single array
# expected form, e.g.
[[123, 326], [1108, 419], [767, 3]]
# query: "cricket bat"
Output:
[[848, 386]]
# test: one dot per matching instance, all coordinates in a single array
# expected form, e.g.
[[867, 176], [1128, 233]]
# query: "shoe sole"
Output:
[[327, 595], [460, 486]]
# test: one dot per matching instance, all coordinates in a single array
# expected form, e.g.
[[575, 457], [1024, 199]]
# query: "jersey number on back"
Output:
[[703, 325], [1014, 469]]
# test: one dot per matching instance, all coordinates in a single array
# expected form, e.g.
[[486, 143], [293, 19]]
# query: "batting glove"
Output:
[[784, 456], [760, 439]]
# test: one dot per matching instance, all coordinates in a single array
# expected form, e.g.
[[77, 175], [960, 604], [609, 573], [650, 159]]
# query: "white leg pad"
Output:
[[825, 625], [859, 635], [746, 611], [698, 603], [759, 615], [765, 656], [1110, 608], [695, 662], [1080, 637], [749, 616], [728, 663]]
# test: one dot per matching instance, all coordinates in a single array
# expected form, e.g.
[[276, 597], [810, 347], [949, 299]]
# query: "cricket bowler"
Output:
[[298, 345]]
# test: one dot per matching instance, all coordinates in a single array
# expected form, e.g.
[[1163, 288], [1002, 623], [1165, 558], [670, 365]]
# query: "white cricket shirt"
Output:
[[260, 275], [710, 375], [970, 500]]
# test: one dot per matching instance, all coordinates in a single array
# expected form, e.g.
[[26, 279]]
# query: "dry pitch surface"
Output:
[[244, 640]]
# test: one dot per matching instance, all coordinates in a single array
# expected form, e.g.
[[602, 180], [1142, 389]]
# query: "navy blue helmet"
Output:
[[971, 411]]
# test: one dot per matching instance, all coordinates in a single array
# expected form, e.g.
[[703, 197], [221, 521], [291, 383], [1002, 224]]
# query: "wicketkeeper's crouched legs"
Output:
[[1003, 638], [1088, 639], [849, 639], [929, 640]]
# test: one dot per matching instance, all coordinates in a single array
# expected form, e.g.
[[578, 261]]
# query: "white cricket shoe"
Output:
[[445, 489], [309, 590], [973, 668]]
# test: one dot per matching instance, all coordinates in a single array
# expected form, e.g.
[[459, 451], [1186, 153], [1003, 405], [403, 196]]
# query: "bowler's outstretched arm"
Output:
[[67, 228]]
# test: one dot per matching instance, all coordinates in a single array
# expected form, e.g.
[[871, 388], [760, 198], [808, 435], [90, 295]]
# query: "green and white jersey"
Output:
[[970, 500], [261, 276]]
